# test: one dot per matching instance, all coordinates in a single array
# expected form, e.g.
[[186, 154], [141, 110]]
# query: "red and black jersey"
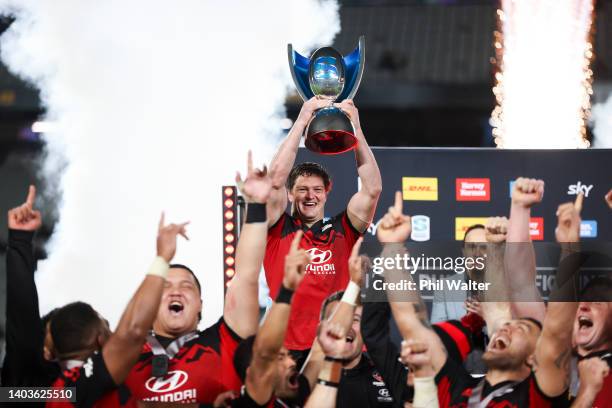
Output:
[[245, 400], [455, 386], [94, 386], [202, 369], [329, 243]]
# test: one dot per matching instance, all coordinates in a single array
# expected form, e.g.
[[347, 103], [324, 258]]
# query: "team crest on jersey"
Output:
[[319, 262]]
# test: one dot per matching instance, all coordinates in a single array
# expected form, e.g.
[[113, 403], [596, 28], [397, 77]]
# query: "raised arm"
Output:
[[332, 338], [122, 349], [553, 350], [415, 354], [407, 307], [362, 205], [496, 306], [283, 160], [24, 331], [520, 264], [261, 374], [241, 309]]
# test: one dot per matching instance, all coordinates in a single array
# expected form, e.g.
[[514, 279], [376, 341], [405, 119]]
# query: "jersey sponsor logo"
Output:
[[588, 229], [420, 228], [463, 223], [319, 262], [88, 367], [473, 189], [317, 256], [575, 189], [536, 228], [420, 188], [167, 383]]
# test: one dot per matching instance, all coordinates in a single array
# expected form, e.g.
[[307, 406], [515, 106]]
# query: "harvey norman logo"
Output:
[[319, 262], [473, 189], [420, 188]]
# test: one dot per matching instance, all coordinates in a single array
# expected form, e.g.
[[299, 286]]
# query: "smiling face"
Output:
[[593, 327], [308, 197], [287, 376], [180, 305], [512, 345]]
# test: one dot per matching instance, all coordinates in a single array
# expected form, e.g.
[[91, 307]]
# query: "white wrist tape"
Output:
[[159, 267], [425, 393], [351, 293]]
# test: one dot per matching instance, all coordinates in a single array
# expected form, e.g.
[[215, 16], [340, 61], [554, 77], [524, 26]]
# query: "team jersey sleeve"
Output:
[[350, 232], [452, 380], [456, 337], [229, 341], [24, 364]]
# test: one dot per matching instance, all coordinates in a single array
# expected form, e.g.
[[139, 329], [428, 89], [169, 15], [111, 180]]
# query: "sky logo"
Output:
[[588, 229]]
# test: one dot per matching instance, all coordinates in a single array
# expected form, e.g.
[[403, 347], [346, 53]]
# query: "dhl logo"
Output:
[[463, 223], [420, 188]]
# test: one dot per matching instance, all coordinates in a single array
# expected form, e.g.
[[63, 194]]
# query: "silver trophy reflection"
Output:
[[329, 75]]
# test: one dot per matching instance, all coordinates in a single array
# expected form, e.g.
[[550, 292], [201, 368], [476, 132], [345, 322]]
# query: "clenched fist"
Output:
[[496, 229], [527, 192]]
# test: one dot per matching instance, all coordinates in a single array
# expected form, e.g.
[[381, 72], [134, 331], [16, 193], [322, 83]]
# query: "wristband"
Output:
[[351, 293], [256, 212], [284, 295], [328, 383], [334, 359], [425, 392], [159, 267]]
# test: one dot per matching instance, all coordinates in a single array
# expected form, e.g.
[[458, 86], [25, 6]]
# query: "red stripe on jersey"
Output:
[[460, 339], [444, 394]]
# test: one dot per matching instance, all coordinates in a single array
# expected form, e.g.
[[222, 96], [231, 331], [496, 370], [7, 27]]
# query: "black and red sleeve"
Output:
[[456, 337]]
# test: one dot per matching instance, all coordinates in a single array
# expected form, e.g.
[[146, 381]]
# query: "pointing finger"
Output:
[[161, 221], [355, 251], [31, 196], [249, 162], [295, 244], [399, 202], [578, 202]]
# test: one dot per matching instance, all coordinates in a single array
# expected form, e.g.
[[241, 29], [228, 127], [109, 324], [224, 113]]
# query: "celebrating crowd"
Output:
[[321, 343]]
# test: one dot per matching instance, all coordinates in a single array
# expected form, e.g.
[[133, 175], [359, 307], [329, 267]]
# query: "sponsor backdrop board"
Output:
[[447, 190]]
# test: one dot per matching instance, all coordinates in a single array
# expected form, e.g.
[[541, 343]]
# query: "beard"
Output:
[[505, 361]]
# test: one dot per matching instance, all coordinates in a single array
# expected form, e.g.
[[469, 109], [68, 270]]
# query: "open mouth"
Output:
[[293, 380], [175, 307], [500, 343], [350, 337], [584, 322], [310, 204]]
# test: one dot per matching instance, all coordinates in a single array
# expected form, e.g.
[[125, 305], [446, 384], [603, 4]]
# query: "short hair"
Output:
[[532, 320], [308, 169], [334, 297], [597, 289], [181, 266], [47, 318], [197, 281], [470, 229], [74, 328], [243, 356]]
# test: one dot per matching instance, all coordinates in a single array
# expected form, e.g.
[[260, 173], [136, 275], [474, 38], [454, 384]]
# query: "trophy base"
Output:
[[330, 132]]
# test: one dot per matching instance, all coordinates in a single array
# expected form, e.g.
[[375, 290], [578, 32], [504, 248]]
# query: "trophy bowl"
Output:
[[328, 75]]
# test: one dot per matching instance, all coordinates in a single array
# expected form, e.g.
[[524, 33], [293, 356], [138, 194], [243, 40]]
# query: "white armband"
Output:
[[351, 293], [159, 267]]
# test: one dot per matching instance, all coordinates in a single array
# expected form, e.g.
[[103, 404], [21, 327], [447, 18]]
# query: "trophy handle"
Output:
[[355, 64], [298, 65]]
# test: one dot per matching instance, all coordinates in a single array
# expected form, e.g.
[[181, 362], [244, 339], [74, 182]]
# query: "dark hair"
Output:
[[308, 169], [243, 356], [181, 266], [197, 281], [74, 328], [47, 318], [597, 289], [334, 297], [534, 321], [470, 229]]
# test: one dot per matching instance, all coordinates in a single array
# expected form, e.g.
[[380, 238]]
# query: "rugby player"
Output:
[[327, 240], [181, 364], [92, 359], [528, 363]]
